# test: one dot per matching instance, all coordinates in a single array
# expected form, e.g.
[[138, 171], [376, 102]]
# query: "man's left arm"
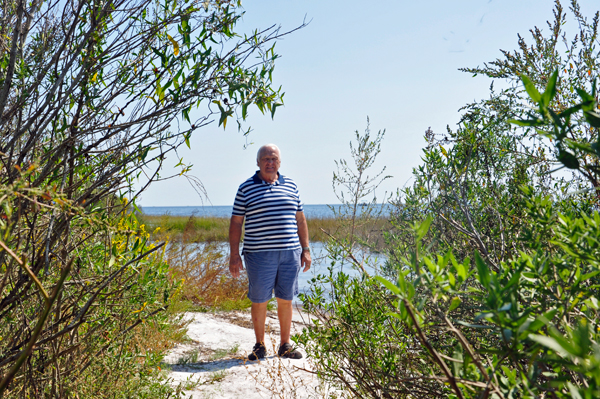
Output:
[[305, 259]]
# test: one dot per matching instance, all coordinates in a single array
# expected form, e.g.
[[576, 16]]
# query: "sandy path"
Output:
[[212, 364]]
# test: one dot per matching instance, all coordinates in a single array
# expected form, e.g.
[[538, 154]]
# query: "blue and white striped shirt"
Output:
[[270, 212]]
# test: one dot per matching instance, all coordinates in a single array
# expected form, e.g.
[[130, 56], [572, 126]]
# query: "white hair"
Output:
[[264, 147]]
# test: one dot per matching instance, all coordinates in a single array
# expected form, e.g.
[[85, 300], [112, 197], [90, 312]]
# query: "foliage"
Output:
[[94, 95], [350, 316], [470, 179], [203, 270], [529, 330], [577, 60], [351, 184], [188, 229], [360, 219], [355, 344], [494, 258]]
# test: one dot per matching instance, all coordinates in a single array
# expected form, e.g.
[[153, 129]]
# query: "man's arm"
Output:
[[303, 236], [235, 234]]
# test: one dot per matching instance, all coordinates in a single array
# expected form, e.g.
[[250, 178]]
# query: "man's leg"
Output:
[[286, 287], [262, 272], [259, 317], [284, 312]]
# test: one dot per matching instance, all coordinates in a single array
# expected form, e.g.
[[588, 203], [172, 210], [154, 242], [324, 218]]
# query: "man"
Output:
[[275, 246]]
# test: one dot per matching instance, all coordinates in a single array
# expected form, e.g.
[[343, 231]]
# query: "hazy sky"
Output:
[[393, 61]]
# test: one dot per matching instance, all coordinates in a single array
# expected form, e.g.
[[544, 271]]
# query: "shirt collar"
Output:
[[256, 178]]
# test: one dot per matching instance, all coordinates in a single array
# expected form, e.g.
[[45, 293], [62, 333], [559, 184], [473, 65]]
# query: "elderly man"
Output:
[[275, 246]]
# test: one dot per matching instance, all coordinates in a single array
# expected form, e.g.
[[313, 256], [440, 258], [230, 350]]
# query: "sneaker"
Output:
[[287, 351], [258, 352]]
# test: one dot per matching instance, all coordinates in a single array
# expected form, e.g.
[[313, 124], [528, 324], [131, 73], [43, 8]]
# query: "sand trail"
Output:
[[212, 364]]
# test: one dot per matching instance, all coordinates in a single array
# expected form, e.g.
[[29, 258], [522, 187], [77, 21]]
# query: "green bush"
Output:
[[493, 273]]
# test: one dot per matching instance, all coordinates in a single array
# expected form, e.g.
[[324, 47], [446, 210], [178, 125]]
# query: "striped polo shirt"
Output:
[[270, 212]]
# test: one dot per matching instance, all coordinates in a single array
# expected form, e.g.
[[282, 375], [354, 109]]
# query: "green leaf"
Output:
[[461, 270], [585, 96], [505, 308], [592, 118], [185, 113], [526, 122], [396, 315], [245, 110], [549, 343], [163, 58], [454, 304], [483, 272], [550, 91], [574, 391], [531, 90], [568, 159], [581, 146], [388, 285], [423, 228], [567, 344], [144, 154], [273, 107]]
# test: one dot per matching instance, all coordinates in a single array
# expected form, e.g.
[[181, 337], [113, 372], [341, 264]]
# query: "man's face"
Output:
[[269, 161]]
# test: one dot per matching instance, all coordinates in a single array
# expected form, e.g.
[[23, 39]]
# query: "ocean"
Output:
[[322, 211]]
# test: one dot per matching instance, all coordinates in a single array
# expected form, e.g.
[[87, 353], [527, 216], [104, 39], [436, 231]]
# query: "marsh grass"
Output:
[[203, 270], [196, 229], [215, 229]]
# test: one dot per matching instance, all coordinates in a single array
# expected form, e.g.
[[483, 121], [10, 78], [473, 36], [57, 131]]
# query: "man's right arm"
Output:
[[235, 234]]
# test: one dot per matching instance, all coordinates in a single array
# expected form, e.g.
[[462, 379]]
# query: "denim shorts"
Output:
[[272, 270]]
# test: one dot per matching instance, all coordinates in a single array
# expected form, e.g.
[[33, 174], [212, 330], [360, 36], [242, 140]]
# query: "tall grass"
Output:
[[196, 229], [203, 270], [216, 229]]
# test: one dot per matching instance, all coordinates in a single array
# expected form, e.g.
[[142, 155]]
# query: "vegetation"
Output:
[[216, 229], [94, 95], [492, 279], [203, 270]]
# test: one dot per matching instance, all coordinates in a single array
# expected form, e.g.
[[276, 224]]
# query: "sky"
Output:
[[395, 62]]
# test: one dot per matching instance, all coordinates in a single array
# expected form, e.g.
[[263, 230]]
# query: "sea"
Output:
[[318, 211]]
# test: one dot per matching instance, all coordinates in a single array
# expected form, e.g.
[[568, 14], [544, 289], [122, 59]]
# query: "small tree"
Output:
[[494, 259], [93, 95]]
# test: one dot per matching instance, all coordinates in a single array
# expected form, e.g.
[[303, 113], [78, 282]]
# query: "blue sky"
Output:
[[393, 61]]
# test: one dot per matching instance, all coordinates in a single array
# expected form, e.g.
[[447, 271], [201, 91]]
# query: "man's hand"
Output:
[[235, 265], [235, 233], [305, 260]]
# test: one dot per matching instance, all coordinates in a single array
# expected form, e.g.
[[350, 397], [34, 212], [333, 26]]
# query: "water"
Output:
[[321, 262], [224, 211], [319, 255]]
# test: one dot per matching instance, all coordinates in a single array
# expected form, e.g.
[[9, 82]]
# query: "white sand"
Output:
[[212, 364]]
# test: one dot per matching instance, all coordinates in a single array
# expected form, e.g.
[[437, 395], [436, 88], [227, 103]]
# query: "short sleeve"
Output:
[[300, 203], [239, 205]]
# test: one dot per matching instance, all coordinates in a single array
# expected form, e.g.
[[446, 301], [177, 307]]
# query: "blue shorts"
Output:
[[272, 270]]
